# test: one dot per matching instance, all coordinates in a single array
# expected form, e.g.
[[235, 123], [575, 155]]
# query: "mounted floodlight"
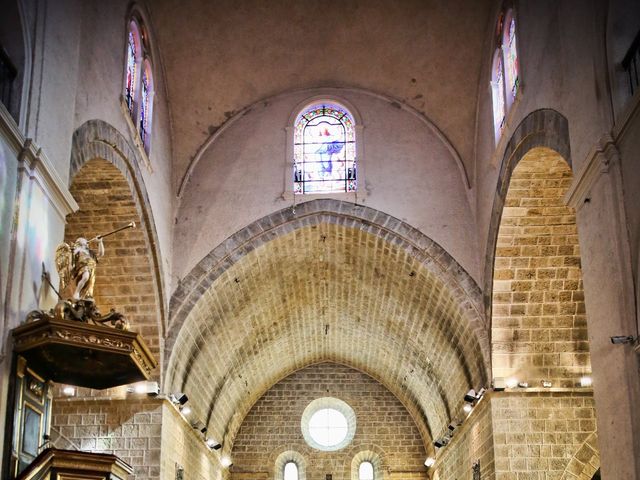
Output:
[[69, 391], [198, 425], [149, 388], [441, 442], [470, 396], [212, 444], [547, 384], [622, 339], [226, 462], [178, 398], [523, 384], [586, 381], [467, 408], [481, 393], [185, 410], [429, 462]]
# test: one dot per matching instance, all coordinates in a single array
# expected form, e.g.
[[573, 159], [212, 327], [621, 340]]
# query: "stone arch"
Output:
[[373, 454], [101, 154], [541, 128], [223, 331], [585, 463], [538, 329], [285, 457]]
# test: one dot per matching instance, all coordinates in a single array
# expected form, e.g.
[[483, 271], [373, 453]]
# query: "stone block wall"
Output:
[[539, 329], [472, 443], [130, 429], [383, 426], [125, 279], [537, 435]]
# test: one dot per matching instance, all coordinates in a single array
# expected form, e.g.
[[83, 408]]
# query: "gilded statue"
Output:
[[76, 264]]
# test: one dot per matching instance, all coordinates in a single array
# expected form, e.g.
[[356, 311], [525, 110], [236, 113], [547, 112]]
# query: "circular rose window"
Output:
[[328, 424]]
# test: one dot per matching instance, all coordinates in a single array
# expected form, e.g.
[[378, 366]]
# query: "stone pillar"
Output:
[[597, 196]]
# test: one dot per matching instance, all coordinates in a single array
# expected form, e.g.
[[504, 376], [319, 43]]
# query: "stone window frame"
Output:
[[290, 456], [324, 403], [367, 456], [328, 96]]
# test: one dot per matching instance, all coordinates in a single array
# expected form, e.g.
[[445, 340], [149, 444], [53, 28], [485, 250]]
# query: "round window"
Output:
[[328, 424]]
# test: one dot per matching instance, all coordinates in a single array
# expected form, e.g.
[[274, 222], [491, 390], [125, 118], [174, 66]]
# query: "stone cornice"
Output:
[[37, 165], [598, 161]]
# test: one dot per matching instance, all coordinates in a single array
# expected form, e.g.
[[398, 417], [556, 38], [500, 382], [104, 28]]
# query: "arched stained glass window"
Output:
[[133, 51], [510, 52], [324, 150], [497, 86], [290, 471], [505, 72], [145, 106], [365, 471]]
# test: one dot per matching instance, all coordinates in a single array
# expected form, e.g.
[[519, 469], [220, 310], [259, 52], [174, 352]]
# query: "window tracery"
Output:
[[505, 72]]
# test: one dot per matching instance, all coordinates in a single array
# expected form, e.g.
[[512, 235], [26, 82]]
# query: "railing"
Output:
[[631, 64], [8, 74]]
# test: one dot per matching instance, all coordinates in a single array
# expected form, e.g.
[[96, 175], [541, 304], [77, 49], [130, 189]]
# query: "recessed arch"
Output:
[[541, 128], [98, 140], [251, 298], [585, 463]]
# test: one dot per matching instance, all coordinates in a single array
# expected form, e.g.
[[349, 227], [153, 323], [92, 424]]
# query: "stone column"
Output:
[[597, 196]]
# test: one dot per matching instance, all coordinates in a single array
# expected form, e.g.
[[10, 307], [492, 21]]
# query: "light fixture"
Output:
[[512, 383], [586, 381], [441, 442], [185, 410], [623, 339], [178, 398], [470, 396], [199, 425], [481, 393], [523, 384], [225, 462], [212, 444], [546, 384], [150, 388], [69, 391], [467, 408], [429, 462]]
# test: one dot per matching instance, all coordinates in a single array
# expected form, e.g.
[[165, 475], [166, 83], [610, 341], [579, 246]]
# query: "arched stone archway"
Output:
[[585, 463], [100, 153]]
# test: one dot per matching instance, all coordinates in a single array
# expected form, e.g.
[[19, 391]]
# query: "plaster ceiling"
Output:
[[222, 56]]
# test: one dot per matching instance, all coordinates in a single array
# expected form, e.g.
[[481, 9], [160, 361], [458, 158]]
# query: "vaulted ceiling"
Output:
[[222, 56]]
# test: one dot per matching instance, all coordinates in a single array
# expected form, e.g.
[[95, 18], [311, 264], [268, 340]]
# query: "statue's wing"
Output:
[[64, 259]]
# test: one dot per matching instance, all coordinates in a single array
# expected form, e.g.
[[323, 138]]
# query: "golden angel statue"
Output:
[[76, 265]]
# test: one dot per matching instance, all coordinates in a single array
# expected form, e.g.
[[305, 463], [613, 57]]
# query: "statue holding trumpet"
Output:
[[76, 265]]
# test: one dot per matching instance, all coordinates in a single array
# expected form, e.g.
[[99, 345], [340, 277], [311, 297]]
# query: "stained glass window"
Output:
[[290, 471], [145, 106], [132, 69], [324, 150], [511, 57], [499, 111], [365, 472]]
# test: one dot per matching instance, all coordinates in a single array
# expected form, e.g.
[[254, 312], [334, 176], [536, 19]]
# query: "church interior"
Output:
[[340, 240]]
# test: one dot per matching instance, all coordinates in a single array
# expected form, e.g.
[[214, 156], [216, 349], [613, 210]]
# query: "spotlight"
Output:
[[498, 384], [470, 396], [622, 339], [481, 393], [452, 426], [226, 462], [198, 425], [441, 442], [212, 444], [178, 398], [546, 384], [523, 385], [512, 383], [69, 391], [429, 462], [586, 381], [467, 408], [185, 410], [150, 388]]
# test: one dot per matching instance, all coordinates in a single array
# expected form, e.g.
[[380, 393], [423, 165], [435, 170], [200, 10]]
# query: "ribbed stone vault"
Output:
[[327, 290]]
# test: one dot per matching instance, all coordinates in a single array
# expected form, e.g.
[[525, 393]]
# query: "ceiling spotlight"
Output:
[[178, 398], [452, 426], [150, 388], [429, 462], [69, 391], [512, 383], [185, 410], [226, 462], [470, 396], [622, 339], [467, 408], [586, 381], [212, 444], [546, 384]]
